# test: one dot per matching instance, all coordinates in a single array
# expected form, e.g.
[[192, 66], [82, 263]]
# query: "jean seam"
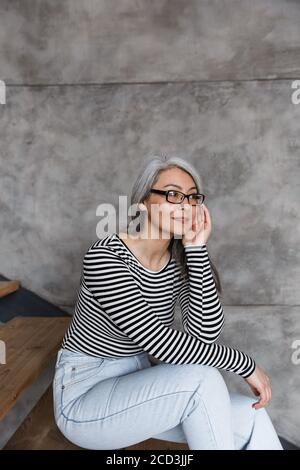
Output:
[[248, 438], [110, 395], [92, 374], [201, 402], [208, 421], [122, 411], [137, 362]]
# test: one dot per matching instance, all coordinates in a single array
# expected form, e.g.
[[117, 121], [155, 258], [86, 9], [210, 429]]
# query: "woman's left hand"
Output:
[[260, 385], [201, 228]]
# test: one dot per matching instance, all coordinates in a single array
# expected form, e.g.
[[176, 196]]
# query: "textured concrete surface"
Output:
[[73, 41], [67, 149], [91, 92]]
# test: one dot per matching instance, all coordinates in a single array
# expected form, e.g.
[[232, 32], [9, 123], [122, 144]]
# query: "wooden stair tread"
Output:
[[7, 287], [40, 432], [31, 343]]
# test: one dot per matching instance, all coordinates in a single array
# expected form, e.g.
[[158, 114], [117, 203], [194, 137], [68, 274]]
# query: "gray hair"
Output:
[[146, 178]]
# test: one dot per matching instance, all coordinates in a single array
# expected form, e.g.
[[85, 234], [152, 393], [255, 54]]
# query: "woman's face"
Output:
[[166, 217]]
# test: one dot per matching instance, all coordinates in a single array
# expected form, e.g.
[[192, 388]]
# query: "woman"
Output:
[[107, 394]]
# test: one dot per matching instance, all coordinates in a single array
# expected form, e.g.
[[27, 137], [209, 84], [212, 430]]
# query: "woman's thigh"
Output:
[[129, 402]]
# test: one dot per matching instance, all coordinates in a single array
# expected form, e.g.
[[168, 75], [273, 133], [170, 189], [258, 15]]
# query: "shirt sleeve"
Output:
[[110, 281], [201, 309]]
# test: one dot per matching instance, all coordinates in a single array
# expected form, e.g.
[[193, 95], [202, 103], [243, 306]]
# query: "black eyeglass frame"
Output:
[[166, 193]]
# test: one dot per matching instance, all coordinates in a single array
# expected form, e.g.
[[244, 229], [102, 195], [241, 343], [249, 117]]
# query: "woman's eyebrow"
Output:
[[193, 187]]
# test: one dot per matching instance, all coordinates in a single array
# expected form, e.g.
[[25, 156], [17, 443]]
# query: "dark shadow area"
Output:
[[26, 303], [287, 445]]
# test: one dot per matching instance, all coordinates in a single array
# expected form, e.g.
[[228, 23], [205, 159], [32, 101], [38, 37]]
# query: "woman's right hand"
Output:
[[260, 384], [201, 227]]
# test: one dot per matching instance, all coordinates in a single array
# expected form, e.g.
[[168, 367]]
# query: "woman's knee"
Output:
[[241, 401], [204, 372], [214, 379], [209, 382], [243, 406], [203, 379], [242, 409], [250, 423]]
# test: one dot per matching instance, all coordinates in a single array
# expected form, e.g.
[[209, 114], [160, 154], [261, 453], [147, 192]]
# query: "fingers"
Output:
[[199, 216], [201, 223], [265, 396], [255, 391], [269, 393], [260, 385], [203, 213], [268, 389], [262, 400], [206, 215]]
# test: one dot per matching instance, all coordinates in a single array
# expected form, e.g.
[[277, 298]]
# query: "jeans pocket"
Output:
[[81, 371]]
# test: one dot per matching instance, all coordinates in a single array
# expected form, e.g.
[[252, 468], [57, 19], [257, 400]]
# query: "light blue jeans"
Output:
[[112, 403]]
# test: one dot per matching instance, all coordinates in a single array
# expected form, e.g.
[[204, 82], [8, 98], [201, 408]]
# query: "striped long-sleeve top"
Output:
[[124, 308]]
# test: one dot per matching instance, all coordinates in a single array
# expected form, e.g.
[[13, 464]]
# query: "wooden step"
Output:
[[31, 343], [39, 432], [7, 287]]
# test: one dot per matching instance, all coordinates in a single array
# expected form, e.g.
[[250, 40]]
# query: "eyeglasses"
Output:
[[176, 197]]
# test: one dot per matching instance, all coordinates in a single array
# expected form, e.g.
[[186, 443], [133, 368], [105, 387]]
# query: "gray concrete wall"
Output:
[[93, 88]]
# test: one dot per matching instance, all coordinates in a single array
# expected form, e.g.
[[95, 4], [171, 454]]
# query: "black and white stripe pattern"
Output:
[[202, 312], [124, 308]]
